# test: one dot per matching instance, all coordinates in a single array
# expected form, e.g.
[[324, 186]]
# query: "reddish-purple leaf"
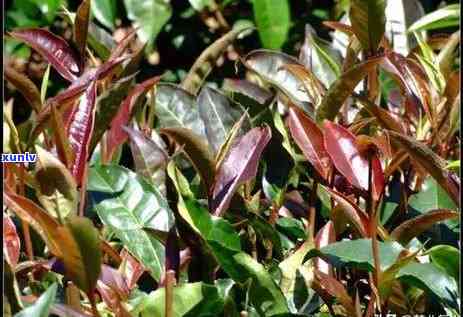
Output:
[[309, 138], [11, 242], [342, 147], [398, 66], [54, 49], [79, 130], [239, 166], [116, 135], [25, 86], [412, 228], [132, 269], [326, 235]]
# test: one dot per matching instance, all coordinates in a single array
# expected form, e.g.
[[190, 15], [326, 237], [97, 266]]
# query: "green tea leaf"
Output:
[[273, 21]]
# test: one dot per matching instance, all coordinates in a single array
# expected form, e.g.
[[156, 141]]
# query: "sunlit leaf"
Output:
[[176, 107], [139, 207], [79, 130], [309, 138], [345, 154], [105, 12]]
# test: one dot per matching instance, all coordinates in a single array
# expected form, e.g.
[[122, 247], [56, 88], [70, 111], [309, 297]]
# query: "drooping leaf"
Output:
[[54, 49], [343, 149], [342, 88], [218, 116], [36, 217], [41, 308], [249, 89], [368, 22], [445, 17], [131, 269], [105, 12], [240, 165], [309, 138], [80, 243], [11, 241], [116, 135], [79, 130], [431, 162], [81, 24], [269, 66], [139, 208], [447, 258], [204, 63], [273, 21], [56, 188], [196, 150], [25, 86], [176, 107], [312, 85], [149, 16], [431, 278], [149, 156], [410, 229], [352, 212]]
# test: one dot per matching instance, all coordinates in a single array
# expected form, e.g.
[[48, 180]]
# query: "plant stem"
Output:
[[83, 190], [25, 225], [169, 294], [371, 210], [311, 215], [91, 298]]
